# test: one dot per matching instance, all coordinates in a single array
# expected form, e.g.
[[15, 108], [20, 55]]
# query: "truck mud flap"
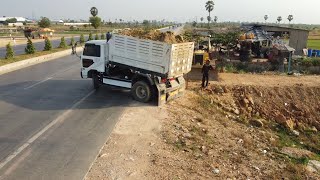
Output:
[[162, 95], [165, 94], [175, 94]]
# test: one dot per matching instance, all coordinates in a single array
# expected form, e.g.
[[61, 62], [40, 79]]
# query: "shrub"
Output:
[[103, 36], [82, 39], [90, 37], [315, 61], [10, 52], [48, 45], [30, 49], [71, 41], [62, 43], [96, 37]]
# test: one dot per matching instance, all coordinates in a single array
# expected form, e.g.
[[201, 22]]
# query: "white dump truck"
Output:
[[151, 69]]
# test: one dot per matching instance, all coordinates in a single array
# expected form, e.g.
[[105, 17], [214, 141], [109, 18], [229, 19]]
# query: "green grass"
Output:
[[28, 56], [314, 44]]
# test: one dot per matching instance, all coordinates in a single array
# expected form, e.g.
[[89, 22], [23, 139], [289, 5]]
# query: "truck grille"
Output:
[[87, 62]]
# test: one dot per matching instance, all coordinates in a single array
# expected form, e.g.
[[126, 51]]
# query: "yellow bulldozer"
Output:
[[200, 57]]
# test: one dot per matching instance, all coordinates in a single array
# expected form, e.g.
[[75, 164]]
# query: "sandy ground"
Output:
[[129, 151], [193, 138]]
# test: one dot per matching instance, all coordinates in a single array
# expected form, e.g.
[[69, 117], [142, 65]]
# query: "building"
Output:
[[19, 19], [297, 38]]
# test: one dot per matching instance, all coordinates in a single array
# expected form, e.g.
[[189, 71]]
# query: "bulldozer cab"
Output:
[[200, 57]]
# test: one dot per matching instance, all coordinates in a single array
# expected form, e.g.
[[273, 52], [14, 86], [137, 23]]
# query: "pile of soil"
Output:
[[295, 107], [154, 35]]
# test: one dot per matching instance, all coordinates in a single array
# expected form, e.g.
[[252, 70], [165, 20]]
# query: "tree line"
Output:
[[30, 48]]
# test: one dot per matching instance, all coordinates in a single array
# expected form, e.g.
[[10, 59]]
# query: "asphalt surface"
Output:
[[19, 49], [52, 122]]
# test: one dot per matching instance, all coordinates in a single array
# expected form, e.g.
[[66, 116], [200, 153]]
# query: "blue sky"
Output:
[[306, 11]]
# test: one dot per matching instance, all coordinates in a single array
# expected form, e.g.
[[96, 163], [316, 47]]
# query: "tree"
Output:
[[279, 19], [71, 41], [266, 17], [194, 24], [11, 20], [44, 22], [62, 43], [90, 37], [96, 37], [209, 7], [146, 23], [94, 11], [290, 18], [30, 49], [82, 39], [209, 19], [215, 19], [10, 52], [95, 21], [201, 19], [103, 36], [48, 45]]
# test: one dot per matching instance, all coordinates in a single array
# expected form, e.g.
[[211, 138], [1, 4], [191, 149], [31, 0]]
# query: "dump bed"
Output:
[[170, 60]]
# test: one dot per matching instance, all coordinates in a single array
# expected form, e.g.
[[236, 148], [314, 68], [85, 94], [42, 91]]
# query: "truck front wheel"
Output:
[[141, 91], [95, 81]]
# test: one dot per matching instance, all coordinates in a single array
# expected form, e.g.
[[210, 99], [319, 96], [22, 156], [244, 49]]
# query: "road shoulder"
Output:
[[129, 152]]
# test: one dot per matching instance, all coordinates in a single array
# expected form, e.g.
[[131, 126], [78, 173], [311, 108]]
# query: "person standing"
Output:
[[109, 35], [205, 73]]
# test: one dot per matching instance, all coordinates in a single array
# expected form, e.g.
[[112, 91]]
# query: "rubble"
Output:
[[154, 35]]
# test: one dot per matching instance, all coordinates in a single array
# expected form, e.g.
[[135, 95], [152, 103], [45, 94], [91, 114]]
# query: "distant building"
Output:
[[19, 19], [76, 24], [18, 24], [297, 37], [57, 21]]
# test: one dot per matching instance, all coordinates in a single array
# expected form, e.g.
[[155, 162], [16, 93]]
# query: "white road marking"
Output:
[[50, 77], [29, 87], [62, 117]]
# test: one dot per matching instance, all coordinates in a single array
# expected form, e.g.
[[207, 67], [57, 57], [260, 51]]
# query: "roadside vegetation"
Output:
[[28, 56], [314, 44]]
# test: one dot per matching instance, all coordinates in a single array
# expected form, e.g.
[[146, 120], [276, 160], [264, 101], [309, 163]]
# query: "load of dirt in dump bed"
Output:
[[296, 107], [154, 35]]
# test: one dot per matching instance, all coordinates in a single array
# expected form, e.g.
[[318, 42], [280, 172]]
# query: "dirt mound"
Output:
[[154, 35], [293, 106]]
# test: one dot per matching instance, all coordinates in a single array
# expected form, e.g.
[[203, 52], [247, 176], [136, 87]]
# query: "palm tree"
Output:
[[215, 19], [290, 18], [279, 19], [266, 17], [209, 19], [209, 8]]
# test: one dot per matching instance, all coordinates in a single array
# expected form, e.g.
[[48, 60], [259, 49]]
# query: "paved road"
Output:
[[52, 123], [175, 30], [19, 49]]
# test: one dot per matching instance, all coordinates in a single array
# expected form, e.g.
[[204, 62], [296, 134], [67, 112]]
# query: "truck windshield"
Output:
[[91, 50]]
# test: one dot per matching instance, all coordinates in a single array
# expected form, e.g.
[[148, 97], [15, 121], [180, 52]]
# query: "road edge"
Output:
[[125, 110], [32, 61]]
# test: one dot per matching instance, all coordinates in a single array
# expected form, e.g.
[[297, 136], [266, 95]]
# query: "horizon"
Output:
[[226, 10]]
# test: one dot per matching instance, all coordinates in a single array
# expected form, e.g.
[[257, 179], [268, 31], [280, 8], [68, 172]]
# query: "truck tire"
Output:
[[141, 91], [95, 81]]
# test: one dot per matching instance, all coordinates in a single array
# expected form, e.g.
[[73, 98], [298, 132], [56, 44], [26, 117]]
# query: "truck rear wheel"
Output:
[[141, 91], [95, 81]]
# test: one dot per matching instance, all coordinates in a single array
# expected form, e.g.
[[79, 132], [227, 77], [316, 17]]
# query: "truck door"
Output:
[[92, 59]]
